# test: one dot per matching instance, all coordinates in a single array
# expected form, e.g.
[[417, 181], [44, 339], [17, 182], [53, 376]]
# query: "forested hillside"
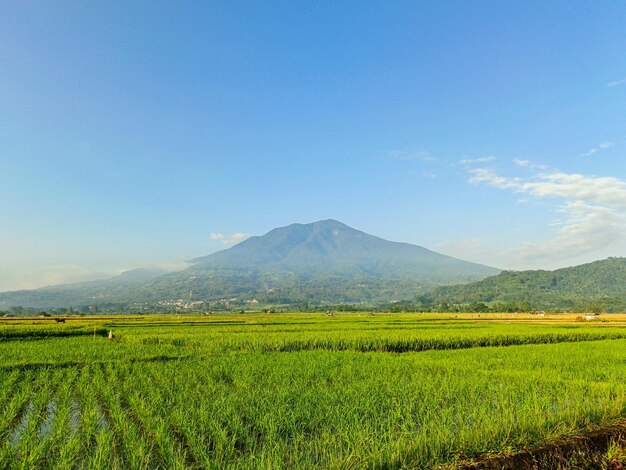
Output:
[[600, 285]]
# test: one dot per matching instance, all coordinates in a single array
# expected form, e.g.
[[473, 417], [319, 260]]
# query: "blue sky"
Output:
[[136, 134]]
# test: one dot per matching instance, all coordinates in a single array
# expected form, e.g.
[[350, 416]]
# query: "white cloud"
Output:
[[594, 208], [229, 239], [589, 227], [470, 161], [616, 83], [596, 149], [603, 190]]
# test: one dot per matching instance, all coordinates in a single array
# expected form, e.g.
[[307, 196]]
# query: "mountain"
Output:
[[600, 285], [325, 261], [330, 247]]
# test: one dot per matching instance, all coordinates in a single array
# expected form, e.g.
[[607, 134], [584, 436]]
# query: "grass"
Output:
[[303, 391]]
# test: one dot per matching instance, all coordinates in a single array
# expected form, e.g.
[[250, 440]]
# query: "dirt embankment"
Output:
[[601, 449]]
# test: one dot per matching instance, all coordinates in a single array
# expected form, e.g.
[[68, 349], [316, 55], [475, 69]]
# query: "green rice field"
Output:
[[300, 390]]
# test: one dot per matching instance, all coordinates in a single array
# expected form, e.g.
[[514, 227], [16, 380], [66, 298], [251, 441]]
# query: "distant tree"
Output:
[[16, 310], [478, 307], [94, 310], [70, 310], [553, 282]]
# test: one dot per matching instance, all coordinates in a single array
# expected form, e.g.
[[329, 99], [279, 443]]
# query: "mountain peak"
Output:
[[329, 223], [320, 225], [302, 232]]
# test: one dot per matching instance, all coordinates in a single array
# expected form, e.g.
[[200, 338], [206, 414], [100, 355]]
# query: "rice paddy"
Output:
[[302, 390]]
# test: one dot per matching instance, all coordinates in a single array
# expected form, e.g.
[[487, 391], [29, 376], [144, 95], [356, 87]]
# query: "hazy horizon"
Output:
[[144, 134]]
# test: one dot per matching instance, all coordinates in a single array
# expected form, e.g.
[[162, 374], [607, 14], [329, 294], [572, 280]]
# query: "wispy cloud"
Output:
[[32, 278], [229, 239], [173, 265], [603, 190], [598, 148], [594, 211], [471, 161], [529, 164], [467, 244], [12, 278], [487, 175], [616, 83], [474, 249], [408, 155]]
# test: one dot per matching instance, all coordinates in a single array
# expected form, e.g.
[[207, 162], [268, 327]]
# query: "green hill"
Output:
[[600, 285]]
